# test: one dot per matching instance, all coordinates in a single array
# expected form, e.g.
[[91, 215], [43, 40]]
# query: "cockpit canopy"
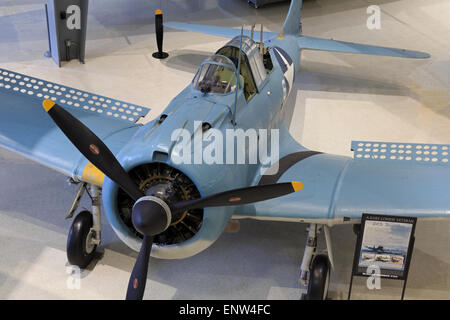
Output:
[[217, 74], [252, 65], [251, 55]]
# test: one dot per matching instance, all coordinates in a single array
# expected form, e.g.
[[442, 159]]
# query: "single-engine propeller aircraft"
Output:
[[375, 248], [162, 206], [381, 249]]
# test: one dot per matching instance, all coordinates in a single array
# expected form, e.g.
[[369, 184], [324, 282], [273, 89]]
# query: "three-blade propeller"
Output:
[[151, 215]]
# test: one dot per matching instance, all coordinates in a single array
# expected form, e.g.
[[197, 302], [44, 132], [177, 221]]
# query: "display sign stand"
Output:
[[385, 243], [66, 28]]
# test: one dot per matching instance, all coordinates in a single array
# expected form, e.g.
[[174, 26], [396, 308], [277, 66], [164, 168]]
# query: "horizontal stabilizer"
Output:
[[219, 31], [312, 43]]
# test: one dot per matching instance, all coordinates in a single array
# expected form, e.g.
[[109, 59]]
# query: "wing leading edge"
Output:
[[25, 128]]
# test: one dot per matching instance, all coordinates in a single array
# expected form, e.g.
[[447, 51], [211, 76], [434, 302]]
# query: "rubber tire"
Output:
[[76, 241], [318, 278]]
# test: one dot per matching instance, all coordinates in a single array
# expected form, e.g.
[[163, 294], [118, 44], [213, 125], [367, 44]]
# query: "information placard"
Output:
[[385, 243]]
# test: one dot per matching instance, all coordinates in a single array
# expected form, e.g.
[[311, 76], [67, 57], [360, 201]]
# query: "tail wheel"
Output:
[[80, 250], [319, 278]]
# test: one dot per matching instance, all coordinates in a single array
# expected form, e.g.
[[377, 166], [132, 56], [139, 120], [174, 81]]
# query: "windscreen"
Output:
[[215, 75]]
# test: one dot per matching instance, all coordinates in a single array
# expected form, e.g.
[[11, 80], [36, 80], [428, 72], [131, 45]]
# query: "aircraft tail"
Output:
[[292, 25]]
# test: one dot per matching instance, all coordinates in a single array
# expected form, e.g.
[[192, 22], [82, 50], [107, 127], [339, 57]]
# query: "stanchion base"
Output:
[[160, 55]]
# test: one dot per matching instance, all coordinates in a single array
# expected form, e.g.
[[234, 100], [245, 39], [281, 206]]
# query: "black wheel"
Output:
[[319, 278], [79, 250]]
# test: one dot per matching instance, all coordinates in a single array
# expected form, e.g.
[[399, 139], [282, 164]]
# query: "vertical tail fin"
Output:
[[292, 24]]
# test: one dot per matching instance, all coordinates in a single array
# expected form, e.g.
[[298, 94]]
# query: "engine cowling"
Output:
[[171, 185], [190, 232]]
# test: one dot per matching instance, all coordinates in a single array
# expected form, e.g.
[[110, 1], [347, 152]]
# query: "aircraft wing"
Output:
[[312, 43], [219, 31], [27, 129], [383, 178]]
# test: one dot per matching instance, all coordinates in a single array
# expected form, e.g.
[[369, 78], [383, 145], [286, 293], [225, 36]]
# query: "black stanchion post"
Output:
[[159, 36]]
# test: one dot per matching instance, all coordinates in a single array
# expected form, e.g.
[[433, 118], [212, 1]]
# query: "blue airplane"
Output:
[[171, 209]]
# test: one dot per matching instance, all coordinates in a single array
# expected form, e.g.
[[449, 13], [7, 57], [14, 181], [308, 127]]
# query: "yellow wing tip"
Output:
[[158, 12], [48, 104], [297, 185]]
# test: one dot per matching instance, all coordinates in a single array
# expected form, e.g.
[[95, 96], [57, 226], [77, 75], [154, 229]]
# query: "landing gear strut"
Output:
[[85, 232], [316, 268]]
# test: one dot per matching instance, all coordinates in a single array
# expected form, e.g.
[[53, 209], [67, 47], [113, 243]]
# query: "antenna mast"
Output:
[[238, 71], [261, 43]]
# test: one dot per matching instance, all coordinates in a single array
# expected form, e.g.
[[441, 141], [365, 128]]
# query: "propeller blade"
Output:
[[92, 148], [239, 196], [138, 278], [151, 216]]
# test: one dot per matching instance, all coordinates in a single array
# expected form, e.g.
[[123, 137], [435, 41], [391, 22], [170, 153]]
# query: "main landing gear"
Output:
[[316, 268], [85, 232]]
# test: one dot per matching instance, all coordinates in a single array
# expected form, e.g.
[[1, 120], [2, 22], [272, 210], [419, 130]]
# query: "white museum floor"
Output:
[[337, 98]]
